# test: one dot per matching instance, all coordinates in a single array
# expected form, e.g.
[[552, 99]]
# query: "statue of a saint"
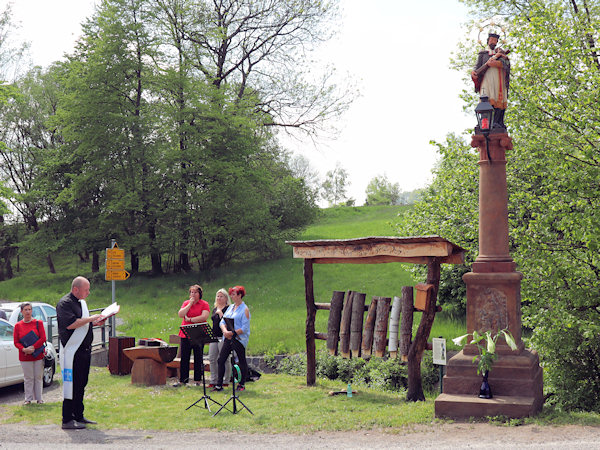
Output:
[[492, 76]]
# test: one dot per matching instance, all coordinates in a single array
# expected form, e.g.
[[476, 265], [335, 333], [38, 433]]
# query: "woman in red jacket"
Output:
[[26, 331]]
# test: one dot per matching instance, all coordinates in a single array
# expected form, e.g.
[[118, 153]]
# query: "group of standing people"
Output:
[[75, 338], [228, 305]]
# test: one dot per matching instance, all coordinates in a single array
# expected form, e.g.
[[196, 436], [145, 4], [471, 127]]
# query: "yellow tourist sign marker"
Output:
[[117, 275], [115, 264]]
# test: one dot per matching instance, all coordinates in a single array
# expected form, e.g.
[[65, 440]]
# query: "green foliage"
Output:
[[381, 373], [449, 208], [381, 191], [333, 189], [487, 350], [552, 173]]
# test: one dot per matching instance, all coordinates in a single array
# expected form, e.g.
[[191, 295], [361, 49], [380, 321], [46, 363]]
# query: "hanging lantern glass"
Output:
[[485, 115]]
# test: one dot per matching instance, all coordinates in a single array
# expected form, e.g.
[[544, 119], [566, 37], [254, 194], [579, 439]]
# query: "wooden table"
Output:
[[150, 364]]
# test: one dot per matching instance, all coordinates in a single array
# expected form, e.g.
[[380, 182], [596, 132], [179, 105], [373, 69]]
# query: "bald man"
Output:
[[75, 335]]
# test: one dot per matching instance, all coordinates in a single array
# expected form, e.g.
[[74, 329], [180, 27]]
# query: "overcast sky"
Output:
[[396, 51]]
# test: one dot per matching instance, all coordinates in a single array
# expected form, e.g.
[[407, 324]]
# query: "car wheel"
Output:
[[49, 369]]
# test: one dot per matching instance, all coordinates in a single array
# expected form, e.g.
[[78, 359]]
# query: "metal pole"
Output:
[[113, 331]]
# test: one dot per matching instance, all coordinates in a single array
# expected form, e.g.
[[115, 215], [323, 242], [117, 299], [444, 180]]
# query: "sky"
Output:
[[396, 52]]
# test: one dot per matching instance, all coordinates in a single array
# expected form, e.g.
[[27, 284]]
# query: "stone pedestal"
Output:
[[493, 303]]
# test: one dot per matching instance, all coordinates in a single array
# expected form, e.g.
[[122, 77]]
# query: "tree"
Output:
[[333, 189], [552, 175], [381, 191], [26, 142], [261, 46]]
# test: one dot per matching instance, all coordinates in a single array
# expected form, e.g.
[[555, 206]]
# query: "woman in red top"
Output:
[[33, 366], [194, 310]]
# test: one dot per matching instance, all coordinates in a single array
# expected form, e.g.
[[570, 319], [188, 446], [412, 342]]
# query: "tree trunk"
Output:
[[415, 354], [356, 323], [135, 262], [367, 343], [50, 263], [345, 326], [311, 311], [156, 260], [95, 261], [381, 324], [333, 324]]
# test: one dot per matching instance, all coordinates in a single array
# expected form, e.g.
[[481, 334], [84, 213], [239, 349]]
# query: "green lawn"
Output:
[[275, 287]]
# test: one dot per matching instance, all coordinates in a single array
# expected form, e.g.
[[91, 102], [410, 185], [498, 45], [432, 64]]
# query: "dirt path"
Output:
[[434, 436]]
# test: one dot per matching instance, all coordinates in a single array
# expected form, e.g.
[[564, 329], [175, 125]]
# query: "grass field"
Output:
[[275, 287]]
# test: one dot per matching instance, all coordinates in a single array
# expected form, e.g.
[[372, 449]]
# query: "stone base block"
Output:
[[458, 406], [515, 380]]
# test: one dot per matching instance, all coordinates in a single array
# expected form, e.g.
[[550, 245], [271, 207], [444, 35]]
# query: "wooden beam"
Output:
[[439, 249], [311, 310]]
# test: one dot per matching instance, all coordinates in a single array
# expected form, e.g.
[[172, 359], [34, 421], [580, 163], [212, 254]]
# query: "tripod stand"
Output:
[[200, 334], [234, 398]]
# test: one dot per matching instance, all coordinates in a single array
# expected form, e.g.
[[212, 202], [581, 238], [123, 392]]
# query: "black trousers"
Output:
[[184, 365], [73, 409], [240, 351]]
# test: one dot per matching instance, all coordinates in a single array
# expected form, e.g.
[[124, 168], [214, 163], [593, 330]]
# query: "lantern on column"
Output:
[[485, 115]]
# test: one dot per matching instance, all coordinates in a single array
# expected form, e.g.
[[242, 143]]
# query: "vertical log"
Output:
[[415, 354], [311, 310], [345, 325], [356, 323], [407, 321], [394, 319], [367, 341], [333, 324], [381, 323]]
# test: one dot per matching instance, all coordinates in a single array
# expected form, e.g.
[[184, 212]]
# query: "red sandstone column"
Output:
[[494, 253]]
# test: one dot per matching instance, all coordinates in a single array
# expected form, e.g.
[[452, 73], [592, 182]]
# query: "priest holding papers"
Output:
[[75, 335]]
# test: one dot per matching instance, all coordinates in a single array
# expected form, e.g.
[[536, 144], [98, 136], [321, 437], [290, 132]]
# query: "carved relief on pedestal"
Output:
[[491, 310]]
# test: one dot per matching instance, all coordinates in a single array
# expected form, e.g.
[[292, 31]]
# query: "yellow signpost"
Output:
[[115, 264]]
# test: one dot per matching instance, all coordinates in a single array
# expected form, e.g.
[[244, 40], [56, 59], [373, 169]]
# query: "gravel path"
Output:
[[434, 436]]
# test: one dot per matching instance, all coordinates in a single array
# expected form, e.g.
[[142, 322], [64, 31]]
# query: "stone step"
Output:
[[458, 406]]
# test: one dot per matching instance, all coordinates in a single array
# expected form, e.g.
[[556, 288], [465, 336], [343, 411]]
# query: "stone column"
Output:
[[493, 303]]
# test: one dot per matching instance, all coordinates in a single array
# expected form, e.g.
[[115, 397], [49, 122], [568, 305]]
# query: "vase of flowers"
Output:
[[486, 344]]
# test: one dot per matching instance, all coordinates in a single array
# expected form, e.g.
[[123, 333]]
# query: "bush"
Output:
[[381, 373]]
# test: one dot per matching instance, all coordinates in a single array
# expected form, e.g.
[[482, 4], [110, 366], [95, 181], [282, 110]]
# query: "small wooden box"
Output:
[[423, 296]]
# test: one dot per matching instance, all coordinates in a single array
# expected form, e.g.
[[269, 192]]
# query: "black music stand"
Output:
[[200, 334], [234, 397]]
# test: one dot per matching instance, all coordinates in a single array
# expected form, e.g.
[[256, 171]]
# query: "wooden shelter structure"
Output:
[[429, 250]]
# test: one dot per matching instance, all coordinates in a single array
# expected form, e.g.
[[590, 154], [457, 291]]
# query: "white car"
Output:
[[10, 367]]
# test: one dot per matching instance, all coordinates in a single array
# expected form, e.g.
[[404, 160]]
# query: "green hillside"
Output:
[[275, 288]]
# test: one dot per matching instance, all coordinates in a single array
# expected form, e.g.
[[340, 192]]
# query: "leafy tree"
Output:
[[381, 191], [333, 189], [553, 175], [26, 141]]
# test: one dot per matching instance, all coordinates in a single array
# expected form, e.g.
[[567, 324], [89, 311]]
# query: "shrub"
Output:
[[381, 373]]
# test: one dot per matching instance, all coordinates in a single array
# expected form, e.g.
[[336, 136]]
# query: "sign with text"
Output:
[[117, 275], [439, 351], [115, 264]]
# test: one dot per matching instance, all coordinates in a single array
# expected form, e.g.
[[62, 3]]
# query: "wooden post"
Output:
[[333, 324], [415, 354], [356, 323], [407, 321], [394, 319], [381, 323], [311, 310], [345, 325], [367, 341]]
